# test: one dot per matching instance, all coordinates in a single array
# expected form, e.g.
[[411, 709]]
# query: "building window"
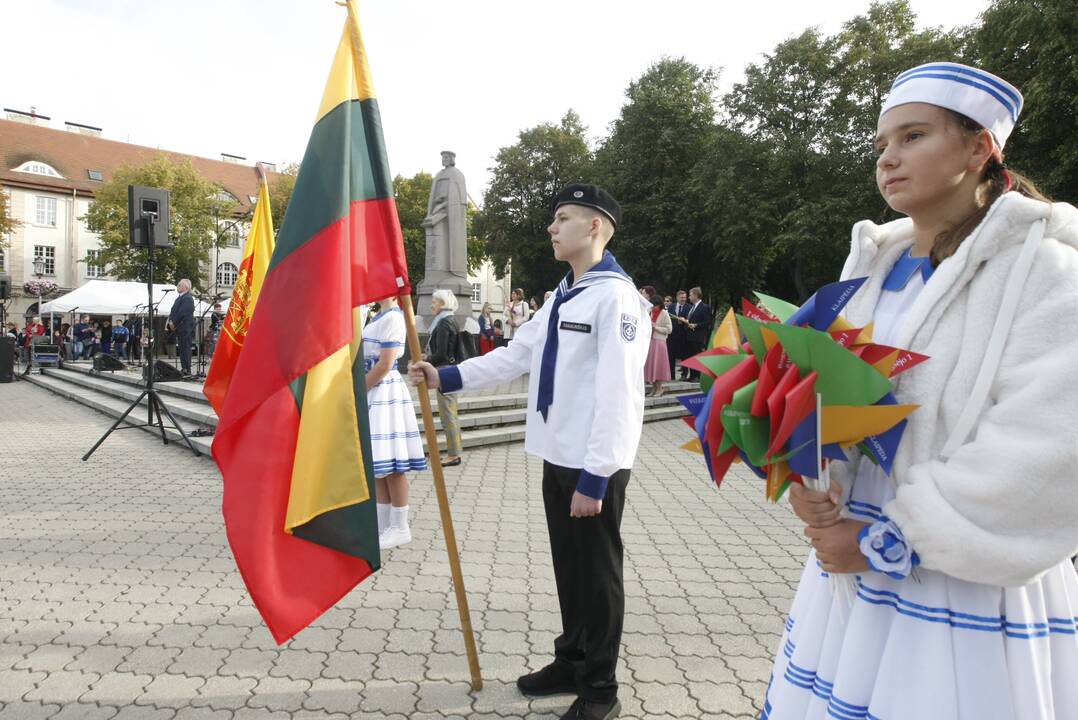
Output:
[[477, 289], [46, 211], [49, 253], [226, 274], [38, 168], [3, 261], [95, 175], [93, 268], [233, 235]]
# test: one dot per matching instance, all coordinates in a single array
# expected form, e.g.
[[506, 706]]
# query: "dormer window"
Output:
[[95, 175], [37, 167], [226, 196]]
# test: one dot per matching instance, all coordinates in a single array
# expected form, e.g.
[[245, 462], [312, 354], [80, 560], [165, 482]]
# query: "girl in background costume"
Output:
[[395, 443]]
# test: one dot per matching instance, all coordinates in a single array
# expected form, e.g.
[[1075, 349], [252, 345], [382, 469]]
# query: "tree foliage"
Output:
[[646, 163], [516, 206], [7, 222], [194, 205], [759, 189], [280, 190], [1034, 45]]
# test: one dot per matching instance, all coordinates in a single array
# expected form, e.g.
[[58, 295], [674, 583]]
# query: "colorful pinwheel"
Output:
[[787, 389]]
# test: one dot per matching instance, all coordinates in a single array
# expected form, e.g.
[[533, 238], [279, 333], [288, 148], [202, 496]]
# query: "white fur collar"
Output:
[[876, 248]]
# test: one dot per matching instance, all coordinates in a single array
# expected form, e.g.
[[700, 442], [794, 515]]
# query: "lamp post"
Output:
[[39, 271]]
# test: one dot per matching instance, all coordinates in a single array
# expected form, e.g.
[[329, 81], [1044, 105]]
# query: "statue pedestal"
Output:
[[459, 286]]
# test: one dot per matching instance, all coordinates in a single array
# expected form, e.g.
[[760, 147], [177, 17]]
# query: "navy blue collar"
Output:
[[606, 267], [904, 270]]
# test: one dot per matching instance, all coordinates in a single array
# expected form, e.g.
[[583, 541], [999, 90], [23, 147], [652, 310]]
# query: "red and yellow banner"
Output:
[[256, 257]]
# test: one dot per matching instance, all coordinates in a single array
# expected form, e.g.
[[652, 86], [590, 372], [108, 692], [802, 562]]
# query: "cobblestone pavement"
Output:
[[119, 597]]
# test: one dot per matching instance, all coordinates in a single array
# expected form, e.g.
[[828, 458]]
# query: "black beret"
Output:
[[591, 196]]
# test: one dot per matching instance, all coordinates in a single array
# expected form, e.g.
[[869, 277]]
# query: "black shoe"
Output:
[[555, 679], [582, 709]]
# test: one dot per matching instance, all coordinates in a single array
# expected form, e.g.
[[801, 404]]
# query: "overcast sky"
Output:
[[207, 77]]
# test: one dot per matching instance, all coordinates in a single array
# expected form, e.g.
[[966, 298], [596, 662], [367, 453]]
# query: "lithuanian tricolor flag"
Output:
[[292, 442], [256, 256]]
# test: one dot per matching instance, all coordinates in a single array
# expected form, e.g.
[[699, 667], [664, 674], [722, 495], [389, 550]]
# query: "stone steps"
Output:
[[498, 417]]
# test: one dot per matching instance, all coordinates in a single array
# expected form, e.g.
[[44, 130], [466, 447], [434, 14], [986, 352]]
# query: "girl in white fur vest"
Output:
[[966, 599]]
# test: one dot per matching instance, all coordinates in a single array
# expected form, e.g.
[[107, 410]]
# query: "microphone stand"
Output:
[[73, 338]]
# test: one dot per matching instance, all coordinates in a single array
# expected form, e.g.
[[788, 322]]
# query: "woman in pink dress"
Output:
[[657, 367]]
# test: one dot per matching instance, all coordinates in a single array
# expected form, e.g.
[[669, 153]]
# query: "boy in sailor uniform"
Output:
[[585, 356]]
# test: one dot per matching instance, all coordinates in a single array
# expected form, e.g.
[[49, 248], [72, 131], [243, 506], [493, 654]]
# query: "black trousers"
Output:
[[588, 556], [183, 339], [694, 347]]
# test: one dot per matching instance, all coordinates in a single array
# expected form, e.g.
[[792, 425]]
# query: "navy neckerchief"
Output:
[[605, 268], [904, 270]]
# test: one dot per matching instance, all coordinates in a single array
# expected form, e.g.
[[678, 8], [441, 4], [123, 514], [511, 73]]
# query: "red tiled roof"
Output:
[[74, 154]]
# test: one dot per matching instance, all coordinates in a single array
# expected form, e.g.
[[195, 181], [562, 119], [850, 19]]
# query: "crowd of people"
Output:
[[121, 337]]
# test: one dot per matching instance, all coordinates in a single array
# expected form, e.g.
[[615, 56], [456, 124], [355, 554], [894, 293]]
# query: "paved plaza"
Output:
[[119, 597]]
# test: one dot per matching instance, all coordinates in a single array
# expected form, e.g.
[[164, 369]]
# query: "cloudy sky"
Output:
[[223, 76]]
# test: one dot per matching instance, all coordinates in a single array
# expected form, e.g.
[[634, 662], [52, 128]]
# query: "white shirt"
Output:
[[517, 315], [595, 420]]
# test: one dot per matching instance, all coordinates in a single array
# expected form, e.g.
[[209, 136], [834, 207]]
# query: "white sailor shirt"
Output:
[[595, 420]]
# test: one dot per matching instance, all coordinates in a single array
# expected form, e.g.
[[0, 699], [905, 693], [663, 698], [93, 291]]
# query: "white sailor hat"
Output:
[[981, 96]]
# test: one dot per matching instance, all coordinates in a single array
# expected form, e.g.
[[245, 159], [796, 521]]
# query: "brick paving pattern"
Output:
[[119, 597]]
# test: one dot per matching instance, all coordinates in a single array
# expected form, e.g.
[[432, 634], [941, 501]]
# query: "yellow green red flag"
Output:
[[293, 441]]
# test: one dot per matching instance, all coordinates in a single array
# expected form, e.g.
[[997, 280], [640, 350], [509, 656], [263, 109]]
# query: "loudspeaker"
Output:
[[142, 203], [162, 371], [104, 362], [7, 359]]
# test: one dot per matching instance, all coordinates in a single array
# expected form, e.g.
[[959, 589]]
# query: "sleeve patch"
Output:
[[628, 327]]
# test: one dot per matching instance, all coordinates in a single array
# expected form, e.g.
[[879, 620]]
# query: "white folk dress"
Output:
[[929, 645], [395, 441]]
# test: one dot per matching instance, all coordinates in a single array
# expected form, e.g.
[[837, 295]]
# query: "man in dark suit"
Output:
[[677, 343], [698, 325], [182, 321]]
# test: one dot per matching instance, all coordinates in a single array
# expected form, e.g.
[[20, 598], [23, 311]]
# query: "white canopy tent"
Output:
[[112, 297]]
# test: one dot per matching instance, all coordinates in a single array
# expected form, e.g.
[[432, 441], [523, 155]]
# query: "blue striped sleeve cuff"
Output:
[[594, 486], [449, 379]]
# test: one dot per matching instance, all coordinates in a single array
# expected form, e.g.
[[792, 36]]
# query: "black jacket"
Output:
[[442, 345], [182, 316], [701, 317]]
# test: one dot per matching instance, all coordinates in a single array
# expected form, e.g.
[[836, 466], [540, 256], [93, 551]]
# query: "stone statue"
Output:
[[446, 226], [446, 222]]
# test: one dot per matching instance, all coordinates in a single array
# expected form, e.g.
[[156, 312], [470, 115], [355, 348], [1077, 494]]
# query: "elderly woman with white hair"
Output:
[[441, 351]]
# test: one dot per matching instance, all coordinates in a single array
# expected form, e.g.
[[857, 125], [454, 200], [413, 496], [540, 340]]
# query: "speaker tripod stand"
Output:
[[154, 403]]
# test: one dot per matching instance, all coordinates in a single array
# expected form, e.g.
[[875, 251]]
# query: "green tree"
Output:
[[783, 104], [516, 206], [660, 135], [280, 191], [7, 222], [737, 208], [814, 103], [1033, 44], [194, 204], [412, 196]]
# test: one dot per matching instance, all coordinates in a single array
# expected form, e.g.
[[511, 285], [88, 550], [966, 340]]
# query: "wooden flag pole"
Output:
[[415, 352]]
